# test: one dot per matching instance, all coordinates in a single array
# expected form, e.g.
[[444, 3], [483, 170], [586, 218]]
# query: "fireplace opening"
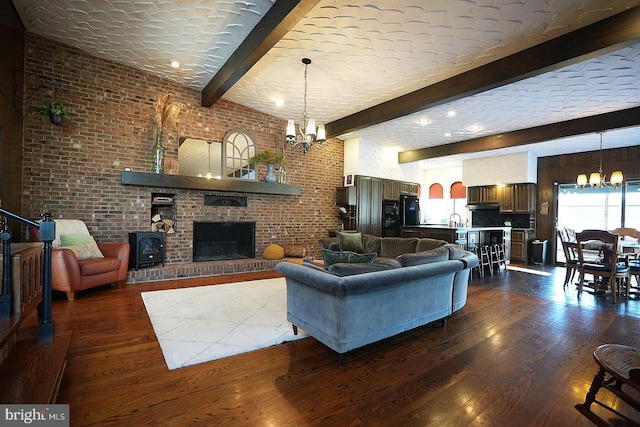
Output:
[[214, 241]]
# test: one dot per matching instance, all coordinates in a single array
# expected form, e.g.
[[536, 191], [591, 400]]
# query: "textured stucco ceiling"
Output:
[[364, 53]]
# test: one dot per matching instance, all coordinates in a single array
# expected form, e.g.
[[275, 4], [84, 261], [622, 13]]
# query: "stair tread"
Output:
[[33, 370]]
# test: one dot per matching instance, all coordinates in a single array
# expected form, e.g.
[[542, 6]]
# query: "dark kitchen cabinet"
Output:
[[390, 189], [474, 195], [482, 194], [520, 244], [491, 194], [369, 205], [505, 198], [409, 188], [363, 201], [511, 198], [525, 198]]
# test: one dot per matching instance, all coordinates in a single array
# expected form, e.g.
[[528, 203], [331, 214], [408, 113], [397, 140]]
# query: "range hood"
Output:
[[483, 205]]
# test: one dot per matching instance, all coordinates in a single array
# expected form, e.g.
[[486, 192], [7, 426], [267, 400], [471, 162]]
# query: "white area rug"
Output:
[[196, 325]]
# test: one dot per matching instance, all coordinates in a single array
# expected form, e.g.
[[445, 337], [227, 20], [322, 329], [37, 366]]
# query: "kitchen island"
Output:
[[467, 237]]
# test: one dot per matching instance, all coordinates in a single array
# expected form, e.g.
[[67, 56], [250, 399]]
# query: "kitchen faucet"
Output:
[[452, 222]]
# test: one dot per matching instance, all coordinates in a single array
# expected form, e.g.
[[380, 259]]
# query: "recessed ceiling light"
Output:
[[279, 102], [474, 128], [447, 134], [451, 113], [175, 63], [423, 122]]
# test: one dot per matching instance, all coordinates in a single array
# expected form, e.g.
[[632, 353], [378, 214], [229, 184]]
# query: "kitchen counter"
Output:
[[446, 227], [467, 237]]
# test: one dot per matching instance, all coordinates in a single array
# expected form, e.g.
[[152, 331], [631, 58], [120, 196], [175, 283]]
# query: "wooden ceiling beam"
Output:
[[602, 122], [593, 40], [278, 21]]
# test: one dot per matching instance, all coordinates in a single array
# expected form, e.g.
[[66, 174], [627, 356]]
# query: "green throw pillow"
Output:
[[350, 242], [73, 239], [334, 257], [83, 246]]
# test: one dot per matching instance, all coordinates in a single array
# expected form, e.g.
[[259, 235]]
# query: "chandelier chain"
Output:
[[306, 135]]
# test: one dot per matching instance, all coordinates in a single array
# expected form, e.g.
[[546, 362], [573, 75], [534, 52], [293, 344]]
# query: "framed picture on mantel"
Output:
[[348, 180]]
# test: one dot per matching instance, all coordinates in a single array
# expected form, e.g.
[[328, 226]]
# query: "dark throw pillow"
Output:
[[343, 269], [426, 257], [350, 242], [332, 257]]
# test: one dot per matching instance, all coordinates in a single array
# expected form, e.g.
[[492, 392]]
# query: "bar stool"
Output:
[[498, 259], [483, 252]]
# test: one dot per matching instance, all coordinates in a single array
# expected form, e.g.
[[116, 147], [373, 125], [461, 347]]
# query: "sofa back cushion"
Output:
[[332, 257], [343, 269], [426, 244], [456, 252], [425, 257], [371, 243], [394, 246], [350, 242]]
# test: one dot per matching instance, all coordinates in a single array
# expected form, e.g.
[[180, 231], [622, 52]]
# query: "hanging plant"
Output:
[[54, 110]]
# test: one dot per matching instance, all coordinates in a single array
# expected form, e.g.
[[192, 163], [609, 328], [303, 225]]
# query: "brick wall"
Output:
[[74, 170]]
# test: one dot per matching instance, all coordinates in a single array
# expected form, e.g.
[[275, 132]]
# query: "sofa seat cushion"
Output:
[[333, 257], [94, 266], [394, 246], [343, 269], [425, 257]]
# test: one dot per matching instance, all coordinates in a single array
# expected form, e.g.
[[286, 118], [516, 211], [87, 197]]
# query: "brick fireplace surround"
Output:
[[74, 170]]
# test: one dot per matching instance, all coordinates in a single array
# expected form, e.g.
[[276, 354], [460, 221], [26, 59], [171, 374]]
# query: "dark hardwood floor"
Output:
[[513, 356]]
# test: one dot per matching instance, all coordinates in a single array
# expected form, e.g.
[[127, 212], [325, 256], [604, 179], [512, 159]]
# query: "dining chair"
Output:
[[570, 255], [619, 373], [628, 243], [611, 268]]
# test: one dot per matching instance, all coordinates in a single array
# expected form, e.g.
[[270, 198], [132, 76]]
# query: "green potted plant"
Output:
[[267, 157], [270, 159], [55, 111]]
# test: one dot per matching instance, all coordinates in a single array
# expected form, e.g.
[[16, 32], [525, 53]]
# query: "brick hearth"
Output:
[[201, 269]]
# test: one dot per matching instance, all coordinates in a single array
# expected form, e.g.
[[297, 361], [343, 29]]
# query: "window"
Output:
[[589, 208], [602, 208], [632, 205], [436, 191]]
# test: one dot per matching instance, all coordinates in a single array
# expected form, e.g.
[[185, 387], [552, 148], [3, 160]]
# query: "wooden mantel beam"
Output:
[[278, 21], [596, 39]]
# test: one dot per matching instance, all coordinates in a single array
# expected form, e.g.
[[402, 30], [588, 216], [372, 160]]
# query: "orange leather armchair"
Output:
[[70, 275]]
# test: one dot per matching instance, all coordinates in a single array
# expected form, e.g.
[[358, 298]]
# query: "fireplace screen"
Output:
[[214, 241]]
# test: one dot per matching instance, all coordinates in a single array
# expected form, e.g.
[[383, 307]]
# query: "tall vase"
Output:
[[270, 177], [158, 153]]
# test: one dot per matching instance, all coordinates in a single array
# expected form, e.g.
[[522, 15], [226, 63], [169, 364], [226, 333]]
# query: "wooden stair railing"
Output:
[[31, 366]]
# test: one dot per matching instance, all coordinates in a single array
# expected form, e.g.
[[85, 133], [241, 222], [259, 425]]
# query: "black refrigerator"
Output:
[[409, 210]]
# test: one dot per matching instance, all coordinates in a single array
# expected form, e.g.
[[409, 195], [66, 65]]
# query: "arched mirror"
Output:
[[239, 148], [199, 157]]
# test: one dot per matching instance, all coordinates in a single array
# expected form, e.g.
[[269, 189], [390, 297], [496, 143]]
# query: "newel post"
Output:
[[5, 294], [47, 235]]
